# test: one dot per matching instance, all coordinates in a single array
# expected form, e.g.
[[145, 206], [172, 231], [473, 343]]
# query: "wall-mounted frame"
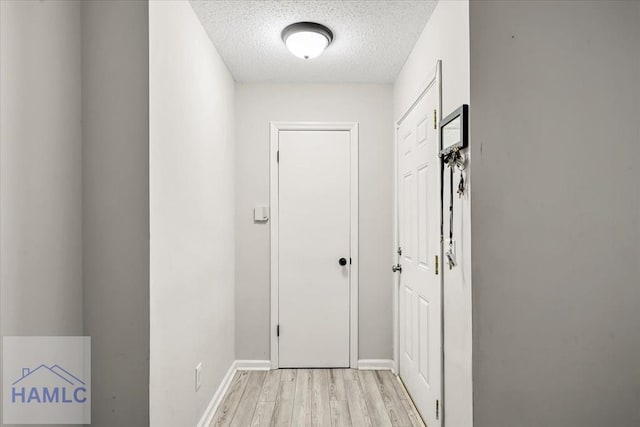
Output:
[[454, 130]]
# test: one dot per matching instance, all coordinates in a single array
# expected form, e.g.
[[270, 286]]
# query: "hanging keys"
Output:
[[454, 159], [451, 256], [461, 185]]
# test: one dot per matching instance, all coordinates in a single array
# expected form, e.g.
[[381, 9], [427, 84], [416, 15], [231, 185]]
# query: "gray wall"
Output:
[[40, 170], [371, 106], [556, 223], [192, 158], [115, 179]]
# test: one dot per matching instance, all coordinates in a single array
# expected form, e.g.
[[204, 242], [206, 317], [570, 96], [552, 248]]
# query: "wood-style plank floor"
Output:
[[316, 397]]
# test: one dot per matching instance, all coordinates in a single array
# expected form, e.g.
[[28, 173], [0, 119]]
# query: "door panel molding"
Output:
[[352, 128]]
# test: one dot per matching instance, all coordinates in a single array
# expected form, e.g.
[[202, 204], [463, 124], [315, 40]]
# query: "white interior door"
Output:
[[314, 234], [420, 314]]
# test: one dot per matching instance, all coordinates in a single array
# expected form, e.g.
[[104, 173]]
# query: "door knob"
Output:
[[342, 261], [396, 268]]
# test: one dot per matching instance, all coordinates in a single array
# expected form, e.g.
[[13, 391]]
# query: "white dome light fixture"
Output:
[[307, 40]]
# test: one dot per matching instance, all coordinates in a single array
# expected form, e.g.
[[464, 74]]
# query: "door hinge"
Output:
[[437, 409], [278, 330], [350, 261], [436, 264], [278, 156], [435, 119]]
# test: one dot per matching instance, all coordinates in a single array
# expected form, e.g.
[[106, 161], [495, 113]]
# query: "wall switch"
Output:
[[261, 214], [198, 376]]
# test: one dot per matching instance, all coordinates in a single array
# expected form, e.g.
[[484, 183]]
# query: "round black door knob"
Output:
[[342, 261]]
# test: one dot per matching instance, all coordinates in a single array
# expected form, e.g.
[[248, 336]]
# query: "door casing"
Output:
[[352, 128]]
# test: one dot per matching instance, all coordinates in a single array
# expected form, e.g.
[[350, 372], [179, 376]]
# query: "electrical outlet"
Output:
[[198, 376]]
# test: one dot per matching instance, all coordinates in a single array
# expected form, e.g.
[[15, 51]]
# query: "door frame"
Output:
[[434, 78], [352, 128]]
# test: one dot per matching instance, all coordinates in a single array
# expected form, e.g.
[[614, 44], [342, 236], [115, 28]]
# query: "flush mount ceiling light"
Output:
[[307, 40]]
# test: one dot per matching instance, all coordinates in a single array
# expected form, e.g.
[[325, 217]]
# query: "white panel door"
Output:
[[314, 233], [419, 237]]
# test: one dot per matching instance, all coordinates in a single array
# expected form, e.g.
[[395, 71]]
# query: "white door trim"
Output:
[[435, 78], [353, 280]]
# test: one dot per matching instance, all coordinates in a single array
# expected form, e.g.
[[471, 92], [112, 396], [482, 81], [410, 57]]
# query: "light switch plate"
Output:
[[261, 214]]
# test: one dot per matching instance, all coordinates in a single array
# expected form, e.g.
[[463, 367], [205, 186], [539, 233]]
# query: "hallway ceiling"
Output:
[[372, 38]]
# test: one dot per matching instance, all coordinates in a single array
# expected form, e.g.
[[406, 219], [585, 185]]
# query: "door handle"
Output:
[[396, 268], [342, 261]]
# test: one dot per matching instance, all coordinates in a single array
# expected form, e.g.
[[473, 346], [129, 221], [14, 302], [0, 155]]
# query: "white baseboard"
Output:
[[216, 400], [253, 365], [376, 364]]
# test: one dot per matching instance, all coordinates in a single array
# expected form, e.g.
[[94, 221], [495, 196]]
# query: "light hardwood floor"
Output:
[[316, 397]]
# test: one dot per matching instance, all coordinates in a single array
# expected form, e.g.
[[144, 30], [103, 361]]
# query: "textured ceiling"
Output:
[[372, 39]]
